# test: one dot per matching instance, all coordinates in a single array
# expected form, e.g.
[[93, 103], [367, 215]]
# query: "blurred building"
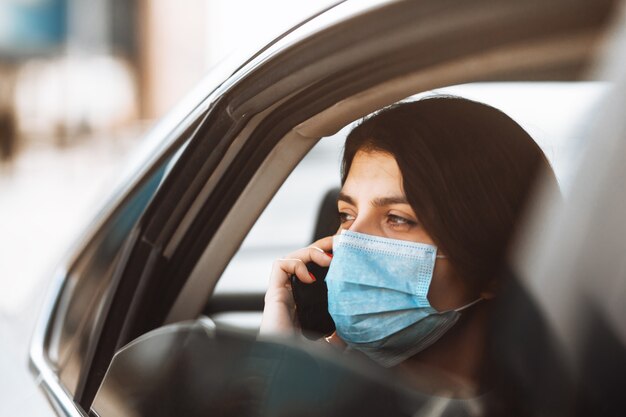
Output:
[[180, 41], [76, 68], [68, 68]]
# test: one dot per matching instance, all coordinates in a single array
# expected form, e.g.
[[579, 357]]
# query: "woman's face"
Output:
[[372, 201]]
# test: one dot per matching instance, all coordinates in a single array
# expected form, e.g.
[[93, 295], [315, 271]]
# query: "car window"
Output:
[[552, 113], [288, 222]]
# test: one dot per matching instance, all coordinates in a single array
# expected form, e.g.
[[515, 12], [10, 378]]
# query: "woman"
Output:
[[432, 193]]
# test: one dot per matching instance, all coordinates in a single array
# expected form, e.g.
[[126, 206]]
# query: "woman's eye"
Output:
[[396, 220], [345, 217]]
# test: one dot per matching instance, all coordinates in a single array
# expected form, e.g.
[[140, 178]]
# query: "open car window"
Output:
[[554, 114]]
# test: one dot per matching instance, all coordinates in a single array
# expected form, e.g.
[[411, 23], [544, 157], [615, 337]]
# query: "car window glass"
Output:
[[89, 280]]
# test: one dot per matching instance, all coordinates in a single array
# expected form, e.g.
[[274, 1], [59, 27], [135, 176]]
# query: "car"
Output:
[[154, 311]]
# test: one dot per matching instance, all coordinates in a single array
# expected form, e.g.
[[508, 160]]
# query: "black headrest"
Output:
[[327, 221]]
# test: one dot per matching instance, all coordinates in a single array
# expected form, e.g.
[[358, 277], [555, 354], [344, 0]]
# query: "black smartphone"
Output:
[[312, 303]]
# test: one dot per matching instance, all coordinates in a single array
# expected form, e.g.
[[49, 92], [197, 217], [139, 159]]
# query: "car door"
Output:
[[245, 135]]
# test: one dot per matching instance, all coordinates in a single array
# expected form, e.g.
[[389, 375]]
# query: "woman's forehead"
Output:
[[373, 176], [370, 165]]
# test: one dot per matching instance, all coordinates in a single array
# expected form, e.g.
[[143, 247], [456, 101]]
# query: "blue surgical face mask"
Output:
[[377, 296]]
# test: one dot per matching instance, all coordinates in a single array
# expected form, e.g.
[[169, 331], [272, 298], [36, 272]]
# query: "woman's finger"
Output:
[[297, 267], [295, 263], [279, 310], [326, 244], [319, 256]]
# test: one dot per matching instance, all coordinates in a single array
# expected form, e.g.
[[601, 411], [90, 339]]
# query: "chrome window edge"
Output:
[[41, 368], [60, 400]]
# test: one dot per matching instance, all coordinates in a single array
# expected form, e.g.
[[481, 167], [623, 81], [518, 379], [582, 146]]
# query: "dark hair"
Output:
[[467, 170]]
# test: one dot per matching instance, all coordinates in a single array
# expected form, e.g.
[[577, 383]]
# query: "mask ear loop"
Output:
[[468, 305]]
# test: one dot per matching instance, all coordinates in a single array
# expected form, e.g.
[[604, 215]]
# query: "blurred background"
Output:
[[81, 81]]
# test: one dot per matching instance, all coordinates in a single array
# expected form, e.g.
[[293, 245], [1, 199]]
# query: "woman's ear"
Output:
[[487, 295], [490, 290]]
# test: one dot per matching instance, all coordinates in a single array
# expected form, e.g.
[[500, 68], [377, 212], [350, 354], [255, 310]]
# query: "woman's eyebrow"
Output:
[[345, 197], [388, 201], [377, 202]]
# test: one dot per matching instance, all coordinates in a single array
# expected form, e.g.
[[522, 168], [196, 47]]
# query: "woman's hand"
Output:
[[279, 314]]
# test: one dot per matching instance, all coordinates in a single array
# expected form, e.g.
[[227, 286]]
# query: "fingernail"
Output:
[[330, 255], [312, 276]]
